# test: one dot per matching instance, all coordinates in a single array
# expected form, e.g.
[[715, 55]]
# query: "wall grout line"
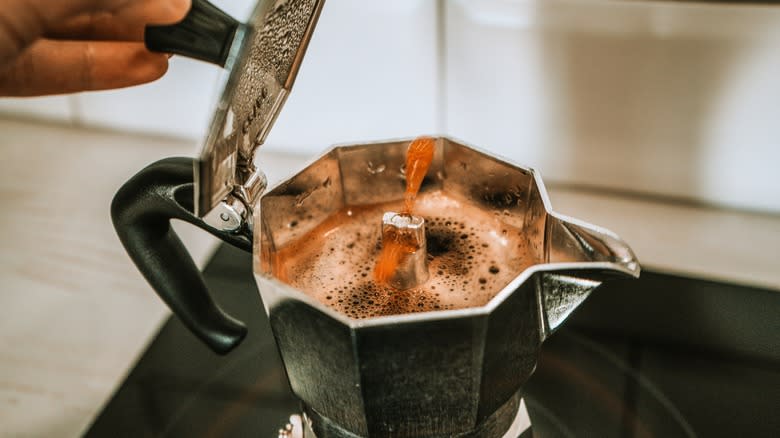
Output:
[[76, 118], [441, 66]]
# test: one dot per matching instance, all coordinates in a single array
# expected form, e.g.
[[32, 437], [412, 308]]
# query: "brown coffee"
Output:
[[472, 255]]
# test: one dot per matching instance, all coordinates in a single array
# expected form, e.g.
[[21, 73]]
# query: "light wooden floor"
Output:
[[74, 312]]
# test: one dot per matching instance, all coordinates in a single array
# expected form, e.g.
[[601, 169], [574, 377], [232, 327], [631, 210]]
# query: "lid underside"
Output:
[[261, 69]]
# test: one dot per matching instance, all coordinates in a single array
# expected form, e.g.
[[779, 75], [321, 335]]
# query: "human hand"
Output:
[[65, 46]]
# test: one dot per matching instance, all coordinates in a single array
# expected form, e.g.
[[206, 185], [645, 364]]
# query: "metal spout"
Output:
[[412, 268], [589, 248], [583, 257]]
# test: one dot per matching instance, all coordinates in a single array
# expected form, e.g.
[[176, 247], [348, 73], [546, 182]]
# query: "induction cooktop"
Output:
[[662, 356]]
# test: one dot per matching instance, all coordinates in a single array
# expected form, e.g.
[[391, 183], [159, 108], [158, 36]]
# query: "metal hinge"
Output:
[[234, 213]]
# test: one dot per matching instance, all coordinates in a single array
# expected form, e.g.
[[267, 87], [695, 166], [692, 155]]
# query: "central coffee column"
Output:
[[406, 234]]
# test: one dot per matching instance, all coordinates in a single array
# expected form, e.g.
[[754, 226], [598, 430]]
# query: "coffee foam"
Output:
[[472, 255]]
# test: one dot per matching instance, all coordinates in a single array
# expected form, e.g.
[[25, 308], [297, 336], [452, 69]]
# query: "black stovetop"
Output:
[[662, 356]]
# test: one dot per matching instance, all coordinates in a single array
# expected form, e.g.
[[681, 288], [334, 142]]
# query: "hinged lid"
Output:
[[261, 68]]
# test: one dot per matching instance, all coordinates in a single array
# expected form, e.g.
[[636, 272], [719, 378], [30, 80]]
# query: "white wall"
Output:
[[662, 98], [678, 99], [369, 72]]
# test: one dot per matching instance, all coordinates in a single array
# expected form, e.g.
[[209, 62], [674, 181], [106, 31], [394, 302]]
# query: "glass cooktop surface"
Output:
[[662, 356]]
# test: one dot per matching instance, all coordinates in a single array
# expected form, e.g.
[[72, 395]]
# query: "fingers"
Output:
[[124, 24], [24, 21], [53, 67], [53, 12], [20, 25], [50, 67]]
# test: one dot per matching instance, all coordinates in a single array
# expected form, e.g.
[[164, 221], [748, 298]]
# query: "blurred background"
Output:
[[672, 99], [659, 120]]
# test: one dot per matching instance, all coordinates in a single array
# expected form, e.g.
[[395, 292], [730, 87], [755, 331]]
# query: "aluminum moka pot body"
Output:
[[442, 373]]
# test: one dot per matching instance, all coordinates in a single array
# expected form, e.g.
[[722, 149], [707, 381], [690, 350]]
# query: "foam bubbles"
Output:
[[469, 259]]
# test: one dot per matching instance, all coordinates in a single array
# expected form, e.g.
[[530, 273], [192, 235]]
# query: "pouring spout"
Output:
[[586, 247], [580, 257]]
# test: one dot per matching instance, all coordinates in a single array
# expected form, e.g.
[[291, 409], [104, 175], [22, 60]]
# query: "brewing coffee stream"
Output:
[[399, 242], [419, 157]]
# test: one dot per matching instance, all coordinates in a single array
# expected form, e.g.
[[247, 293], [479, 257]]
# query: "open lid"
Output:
[[262, 72], [261, 59]]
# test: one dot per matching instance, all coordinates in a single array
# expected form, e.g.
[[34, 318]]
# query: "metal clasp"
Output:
[[234, 213]]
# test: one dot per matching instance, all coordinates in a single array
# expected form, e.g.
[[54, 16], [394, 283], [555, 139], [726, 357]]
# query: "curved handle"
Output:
[[206, 33], [141, 211]]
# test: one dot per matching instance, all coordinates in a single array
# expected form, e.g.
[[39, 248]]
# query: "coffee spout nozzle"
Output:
[[408, 232], [606, 253], [583, 256]]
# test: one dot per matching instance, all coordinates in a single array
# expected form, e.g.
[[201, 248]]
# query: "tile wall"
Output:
[[666, 99]]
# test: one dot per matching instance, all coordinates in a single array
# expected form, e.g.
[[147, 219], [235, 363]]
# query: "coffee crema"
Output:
[[472, 256]]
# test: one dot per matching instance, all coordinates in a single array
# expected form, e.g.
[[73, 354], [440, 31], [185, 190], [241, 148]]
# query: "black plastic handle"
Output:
[[206, 33], [141, 211]]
